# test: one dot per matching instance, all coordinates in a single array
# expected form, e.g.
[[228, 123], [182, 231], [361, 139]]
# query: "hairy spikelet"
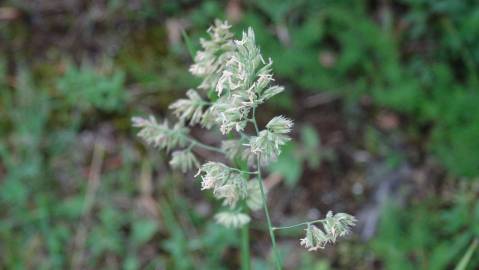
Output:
[[231, 113], [254, 200], [210, 61], [184, 160], [334, 226], [232, 219], [161, 135], [267, 145], [227, 184], [208, 120], [189, 109], [280, 125], [213, 175]]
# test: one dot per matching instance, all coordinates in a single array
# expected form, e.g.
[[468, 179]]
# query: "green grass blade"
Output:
[[467, 257], [188, 43]]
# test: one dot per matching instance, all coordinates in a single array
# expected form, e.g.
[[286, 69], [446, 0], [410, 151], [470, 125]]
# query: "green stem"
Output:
[[204, 146], [245, 251], [277, 258], [241, 171], [193, 142], [238, 170], [298, 225]]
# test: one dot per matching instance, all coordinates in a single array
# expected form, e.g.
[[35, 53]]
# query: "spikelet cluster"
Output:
[[245, 82], [267, 145], [232, 219], [190, 108], [184, 160], [210, 61], [334, 226], [227, 185], [161, 135], [231, 187]]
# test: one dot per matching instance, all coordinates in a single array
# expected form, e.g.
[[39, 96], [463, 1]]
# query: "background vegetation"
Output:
[[384, 94]]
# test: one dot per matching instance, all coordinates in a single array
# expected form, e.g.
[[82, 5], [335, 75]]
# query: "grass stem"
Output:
[[276, 256], [245, 250]]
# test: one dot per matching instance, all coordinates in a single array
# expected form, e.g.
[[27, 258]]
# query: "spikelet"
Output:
[[184, 160], [209, 62], [280, 125], [227, 184], [254, 201], [232, 219], [189, 109], [267, 146], [161, 135], [334, 226]]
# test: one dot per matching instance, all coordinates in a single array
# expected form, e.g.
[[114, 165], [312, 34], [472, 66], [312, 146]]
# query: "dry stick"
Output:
[[92, 187]]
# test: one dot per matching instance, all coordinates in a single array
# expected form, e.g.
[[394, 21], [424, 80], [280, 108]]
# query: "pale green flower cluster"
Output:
[[227, 184], [161, 135], [334, 226], [183, 160], [267, 145], [241, 79], [244, 84], [231, 219], [210, 61], [189, 109]]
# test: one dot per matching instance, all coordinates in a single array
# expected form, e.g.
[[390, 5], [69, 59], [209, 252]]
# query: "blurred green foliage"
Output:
[[416, 58], [423, 64], [86, 86], [427, 235], [335, 46]]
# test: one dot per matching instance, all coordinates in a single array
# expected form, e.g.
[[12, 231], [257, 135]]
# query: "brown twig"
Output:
[[92, 187]]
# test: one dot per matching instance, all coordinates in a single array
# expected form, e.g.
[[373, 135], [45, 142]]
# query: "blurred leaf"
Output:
[[289, 165], [311, 146], [131, 263], [87, 87], [143, 231]]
